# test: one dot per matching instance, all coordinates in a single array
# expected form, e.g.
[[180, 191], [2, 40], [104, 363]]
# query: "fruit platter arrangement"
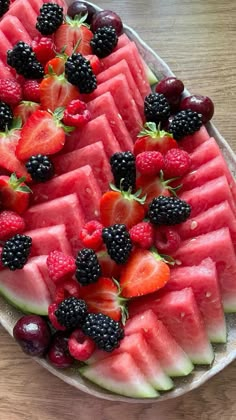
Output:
[[117, 208]]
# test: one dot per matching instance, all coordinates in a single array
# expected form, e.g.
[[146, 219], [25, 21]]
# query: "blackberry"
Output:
[[118, 242], [40, 168], [106, 332], [185, 123], [168, 210], [104, 41], [124, 170], [24, 61], [88, 268], [156, 108], [4, 6], [6, 116], [16, 251], [80, 74], [71, 312], [49, 19]]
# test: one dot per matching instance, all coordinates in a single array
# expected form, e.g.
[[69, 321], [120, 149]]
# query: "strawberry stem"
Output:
[[152, 130], [128, 194], [16, 184], [162, 257]]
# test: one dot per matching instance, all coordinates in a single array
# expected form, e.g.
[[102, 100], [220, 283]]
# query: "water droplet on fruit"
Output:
[[193, 225]]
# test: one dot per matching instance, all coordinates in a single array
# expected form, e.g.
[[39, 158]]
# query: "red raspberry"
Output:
[[95, 63], [66, 289], [177, 162], [167, 240], [52, 317], [91, 235], [142, 235], [44, 49], [80, 346], [31, 91], [10, 91], [149, 163], [59, 265], [76, 114], [10, 224]]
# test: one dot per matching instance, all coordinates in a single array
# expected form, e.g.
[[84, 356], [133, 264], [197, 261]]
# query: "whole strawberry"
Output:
[[10, 91], [10, 224], [59, 265]]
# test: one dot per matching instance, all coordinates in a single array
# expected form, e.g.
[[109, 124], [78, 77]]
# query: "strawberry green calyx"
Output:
[[16, 125], [152, 130], [121, 301], [128, 194], [165, 184], [58, 116], [162, 257], [17, 184], [77, 20]]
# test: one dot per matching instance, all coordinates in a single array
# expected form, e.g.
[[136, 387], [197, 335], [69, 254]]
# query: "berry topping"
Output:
[[76, 114], [149, 163], [31, 91], [71, 312], [167, 240], [16, 251], [33, 335], [168, 210], [106, 332], [40, 168], [4, 6], [10, 91], [10, 224], [24, 61], [156, 108], [104, 41], [43, 48], [172, 88], [124, 170], [52, 317], [80, 346], [6, 116], [118, 242], [177, 162], [81, 8], [200, 104], [49, 19], [91, 235], [79, 73], [142, 235], [59, 265], [88, 268], [58, 354], [14, 193], [184, 123], [107, 18]]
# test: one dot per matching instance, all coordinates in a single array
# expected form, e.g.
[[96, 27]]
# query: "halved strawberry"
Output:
[[56, 91], [14, 193], [25, 109], [73, 36], [145, 272], [108, 266], [151, 138], [56, 65]]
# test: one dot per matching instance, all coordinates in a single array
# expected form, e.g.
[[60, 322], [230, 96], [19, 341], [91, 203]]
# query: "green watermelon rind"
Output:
[[25, 307]]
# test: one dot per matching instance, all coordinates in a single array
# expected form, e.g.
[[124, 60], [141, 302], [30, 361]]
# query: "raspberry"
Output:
[[177, 162], [10, 224], [142, 235], [95, 63], [31, 91], [76, 114], [91, 235], [59, 265], [66, 289], [80, 346], [10, 91], [52, 317], [44, 49], [166, 240], [149, 163]]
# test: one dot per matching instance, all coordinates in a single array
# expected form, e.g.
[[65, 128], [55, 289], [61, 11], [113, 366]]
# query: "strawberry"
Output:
[[25, 109], [121, 207], [73, 36], [56, 91], [43, 133], [56, 65], [151, 138], [103, 297], [14, 193], [43, 48], [145, 272], [108, 266]]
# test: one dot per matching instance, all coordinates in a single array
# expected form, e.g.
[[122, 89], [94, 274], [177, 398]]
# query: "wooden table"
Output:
[[197, 38]]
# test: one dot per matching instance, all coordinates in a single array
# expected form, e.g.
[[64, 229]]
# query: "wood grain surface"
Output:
[[197, 38]]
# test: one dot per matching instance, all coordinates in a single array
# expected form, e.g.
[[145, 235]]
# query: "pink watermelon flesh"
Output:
[[36, 4], [96, 130], [123, 40], [105, 104], [119, 89], [65, 210], [14, 31], [122, 68], [121, 375], [45, 240], [41, 262], [205, 152], [27, 290], [80, 181], [93, 155], [26, 14], [218, 245], [131, 54], [5, 46], [189, 143], [5, 71], [172, 358], [209, 194]]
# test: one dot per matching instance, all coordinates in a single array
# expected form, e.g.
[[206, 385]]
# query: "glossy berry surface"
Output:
[[80, 346], [171, 88], [81, 7], [32, 334], [107, 18], [58, 354], [200, 104]]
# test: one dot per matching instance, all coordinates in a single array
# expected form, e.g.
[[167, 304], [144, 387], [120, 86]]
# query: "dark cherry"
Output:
[[201, 104], [58, 354], [107, 18], [32, 334], [172, 88], [81, 7]]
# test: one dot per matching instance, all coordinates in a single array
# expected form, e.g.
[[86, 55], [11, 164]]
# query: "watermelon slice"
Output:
[[121, 375], [41, 262], [170, 355], [105, 104], [47, 239], [14, 31], [26, 15], [5, 46], [189, 143], [205, 152], [5, 71]]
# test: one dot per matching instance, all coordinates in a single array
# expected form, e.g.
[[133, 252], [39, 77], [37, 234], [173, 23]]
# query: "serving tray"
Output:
[[224, 353]]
